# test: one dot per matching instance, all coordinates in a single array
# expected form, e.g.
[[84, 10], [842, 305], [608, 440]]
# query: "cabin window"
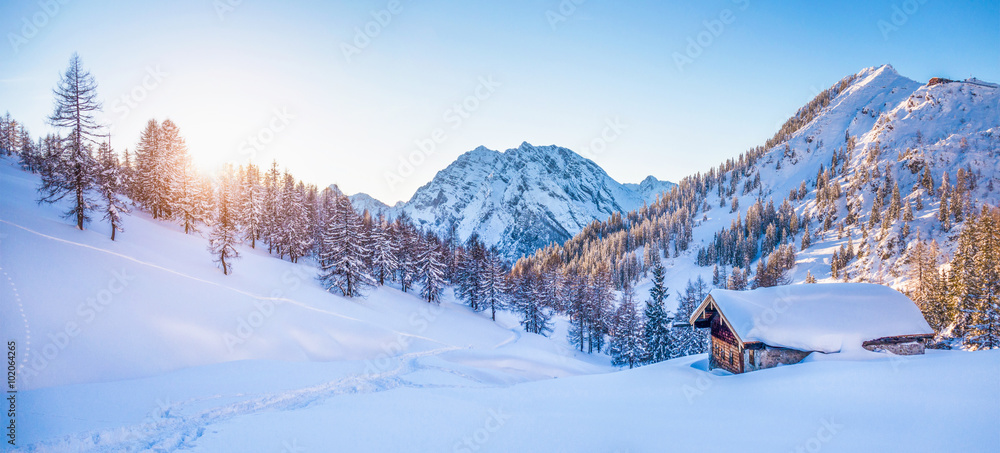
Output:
[[750, 356]]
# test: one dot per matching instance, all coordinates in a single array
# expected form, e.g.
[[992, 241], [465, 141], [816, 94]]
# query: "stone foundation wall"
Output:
[[908, 348], [771, 357]]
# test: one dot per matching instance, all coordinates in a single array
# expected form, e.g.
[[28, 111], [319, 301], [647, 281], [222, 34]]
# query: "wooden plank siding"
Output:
[[727, 352]]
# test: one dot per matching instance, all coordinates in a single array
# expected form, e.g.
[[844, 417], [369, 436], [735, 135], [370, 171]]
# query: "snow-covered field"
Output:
[[142, 344]]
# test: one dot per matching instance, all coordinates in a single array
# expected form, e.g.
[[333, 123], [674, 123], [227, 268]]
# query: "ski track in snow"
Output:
[[173, 432], [208, 282], [513, 338], [169, 431]]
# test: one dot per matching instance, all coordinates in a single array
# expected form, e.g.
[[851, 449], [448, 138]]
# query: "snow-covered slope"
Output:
[[900, 125], [904, 127], [85, 309], [521, 199]]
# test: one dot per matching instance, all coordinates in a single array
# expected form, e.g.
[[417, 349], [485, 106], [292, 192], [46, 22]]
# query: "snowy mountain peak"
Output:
[[521, 199]]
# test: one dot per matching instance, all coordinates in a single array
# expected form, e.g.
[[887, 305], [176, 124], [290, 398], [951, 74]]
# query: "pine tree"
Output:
[[7, 126], [296, 240], [924, 280], [627, 344], [191, 205], [943, 213], [908, 212], [685, 338], [29, 154], [737, 280], [431, 270], [576, 291], [894, 204], [470, 273], [978, 287], [342, 262], [152, 188], [384, 252], [251, 207], [271, 218], [495, 285], [657, 325], [223, 239], [407, 243], [73, 172], [599, 310], [110, 185], [173, 160], [535, 316]]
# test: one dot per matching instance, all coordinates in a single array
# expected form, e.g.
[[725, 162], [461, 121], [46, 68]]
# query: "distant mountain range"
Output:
[[520, 200]]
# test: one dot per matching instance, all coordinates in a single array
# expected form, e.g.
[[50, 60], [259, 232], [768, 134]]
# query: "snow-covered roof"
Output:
[[817, 317]]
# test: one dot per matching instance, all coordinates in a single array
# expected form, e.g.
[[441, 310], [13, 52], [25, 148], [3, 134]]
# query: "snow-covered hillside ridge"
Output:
[[902, 131], [519, 200], [830, 173], [82, 308]]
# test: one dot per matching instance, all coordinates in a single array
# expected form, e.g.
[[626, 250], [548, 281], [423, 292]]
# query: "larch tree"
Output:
[[495, 284], [342, 262], [407, 242], [251, 207], [471, 273], [191, 206], [150, 189], [73, 171], [225, 232], [110, 186], [384, 252], [528, 302], [431, 270], [627, 345]]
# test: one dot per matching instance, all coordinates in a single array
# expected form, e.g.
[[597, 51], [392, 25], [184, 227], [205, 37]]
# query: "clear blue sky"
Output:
[[553, 81]]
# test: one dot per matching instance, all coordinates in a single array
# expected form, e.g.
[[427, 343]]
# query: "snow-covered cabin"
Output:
[[767, 327]]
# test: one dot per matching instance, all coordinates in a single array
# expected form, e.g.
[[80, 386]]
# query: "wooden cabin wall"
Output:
[[727, 352]]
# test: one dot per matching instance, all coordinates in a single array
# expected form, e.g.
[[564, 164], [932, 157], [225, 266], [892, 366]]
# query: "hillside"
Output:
[[164, 353], [158, 288], [841, 156]]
